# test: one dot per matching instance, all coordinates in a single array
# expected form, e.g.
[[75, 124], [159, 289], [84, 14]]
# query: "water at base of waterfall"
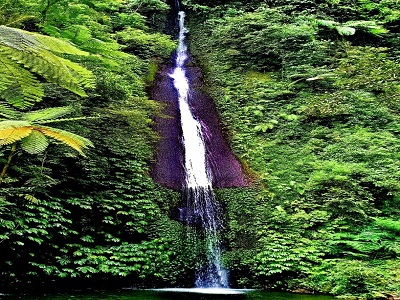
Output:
[[201, 208]]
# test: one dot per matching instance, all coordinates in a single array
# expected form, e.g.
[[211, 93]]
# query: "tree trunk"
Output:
[[5, 168]]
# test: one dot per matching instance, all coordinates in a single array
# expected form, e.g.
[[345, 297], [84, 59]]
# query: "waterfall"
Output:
[[201, 207]]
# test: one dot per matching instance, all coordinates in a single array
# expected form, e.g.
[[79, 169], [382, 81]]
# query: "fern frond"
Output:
[[12, 135], [65, 120], [84, 77], [8, 124], [7, 112], [58, 45], [70, 139], [29, 198], [327, 23], [17, 39], [63, 72], [345, 30], [370, 26], [35, 52], [17, 85], [34, 143], [47, 113]]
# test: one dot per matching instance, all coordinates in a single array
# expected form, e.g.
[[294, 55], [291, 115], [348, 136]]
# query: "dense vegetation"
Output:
[[63, 215], [307, 90]]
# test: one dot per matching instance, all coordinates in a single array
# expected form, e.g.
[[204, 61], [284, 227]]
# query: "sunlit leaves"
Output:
[[22, 52], [33, 136]]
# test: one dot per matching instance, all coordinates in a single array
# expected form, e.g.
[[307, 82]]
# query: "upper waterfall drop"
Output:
[[197, 172]]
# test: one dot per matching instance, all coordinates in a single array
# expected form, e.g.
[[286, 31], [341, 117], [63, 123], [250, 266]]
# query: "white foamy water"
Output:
[[213, 291], [201, 205]]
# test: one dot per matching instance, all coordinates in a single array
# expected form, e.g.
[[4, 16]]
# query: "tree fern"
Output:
[[70, 139], [22, 52], [34, 136]]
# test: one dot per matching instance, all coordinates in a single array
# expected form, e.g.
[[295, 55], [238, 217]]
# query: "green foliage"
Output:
[[344, 277], [100, 217], [146, 45], [33, 136], [19, 49], [262, 39], [307, 92], [310, 102], [350, 27]]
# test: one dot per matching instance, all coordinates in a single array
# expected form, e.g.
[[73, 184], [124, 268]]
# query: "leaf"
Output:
[[35, 143], [23, 53], [70, 139], [58, 45], [12, 135], [8, 124], [345, 30], [328, 23], [29, 198], [8, 112], [48, 113], [18, 86]]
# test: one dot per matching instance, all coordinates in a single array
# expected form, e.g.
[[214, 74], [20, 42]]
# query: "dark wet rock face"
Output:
[[168, 169]]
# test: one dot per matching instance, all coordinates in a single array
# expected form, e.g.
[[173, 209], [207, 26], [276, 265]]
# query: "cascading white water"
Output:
[[201, 206]]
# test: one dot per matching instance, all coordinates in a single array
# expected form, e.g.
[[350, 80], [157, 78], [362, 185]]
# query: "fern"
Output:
[[22, 52], [7, 112], [70, 139], [17, 85], [34, 143], [33, 136], [57, 45], [349, 28], [345, 30], [30, 198], [388, 224], [9, 124], [47, 113], [12, 135]]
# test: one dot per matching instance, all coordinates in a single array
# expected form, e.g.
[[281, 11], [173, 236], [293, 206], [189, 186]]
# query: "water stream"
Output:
[[201, 207]]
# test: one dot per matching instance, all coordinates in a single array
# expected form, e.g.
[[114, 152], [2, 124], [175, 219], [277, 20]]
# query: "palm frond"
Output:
[[34, 143]]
